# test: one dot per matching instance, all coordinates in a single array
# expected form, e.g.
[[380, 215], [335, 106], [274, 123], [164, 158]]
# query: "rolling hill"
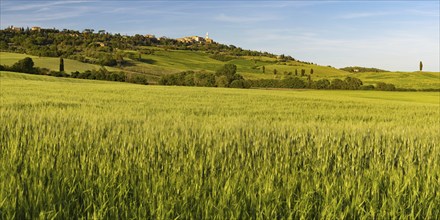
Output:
[[173, 61]]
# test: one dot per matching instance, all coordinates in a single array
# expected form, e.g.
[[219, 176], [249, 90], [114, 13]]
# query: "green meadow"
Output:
[[51, 63], [173, 61], [74, 148], [416, 80]]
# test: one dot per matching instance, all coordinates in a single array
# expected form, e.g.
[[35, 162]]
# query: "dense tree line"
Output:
[[224, 77], [349, 83], [227, 77], [103, 48]]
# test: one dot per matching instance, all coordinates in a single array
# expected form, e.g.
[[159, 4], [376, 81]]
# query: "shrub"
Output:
[[240, 84], [107, 60], [338, 84], [189, 79], [367, 87], [293, 82], [385, 86], [265, 83], [221, 81], [221, 57], [204, 79], [139, 79], [57, 74], [322, 84], [117, 76], [353, 83]]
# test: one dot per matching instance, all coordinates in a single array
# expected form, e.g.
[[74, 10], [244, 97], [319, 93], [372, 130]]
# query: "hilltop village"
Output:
[[195, 39]]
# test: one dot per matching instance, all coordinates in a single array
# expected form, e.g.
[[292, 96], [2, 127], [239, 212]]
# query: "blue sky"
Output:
[[393, 35]]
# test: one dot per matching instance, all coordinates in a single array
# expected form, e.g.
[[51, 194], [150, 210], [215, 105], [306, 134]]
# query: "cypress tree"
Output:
[[61, 64]]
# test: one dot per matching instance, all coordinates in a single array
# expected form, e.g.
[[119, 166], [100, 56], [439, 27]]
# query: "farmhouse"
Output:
[[150, 36], [36, 29], [101, 44], [17, 29], [192, 39]]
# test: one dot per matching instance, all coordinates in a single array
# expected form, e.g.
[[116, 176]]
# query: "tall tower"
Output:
[[207, 36]]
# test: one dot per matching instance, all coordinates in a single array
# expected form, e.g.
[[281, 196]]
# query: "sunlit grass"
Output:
[[90, 149]]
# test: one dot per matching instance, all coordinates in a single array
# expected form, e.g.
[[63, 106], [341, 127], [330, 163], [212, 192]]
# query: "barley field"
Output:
[[74, 149]]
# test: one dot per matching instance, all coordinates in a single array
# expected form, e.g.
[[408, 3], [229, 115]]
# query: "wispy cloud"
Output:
[[41, 12], [368, 14], [37, 5], [428, 13], [244, 19], [364, 15]]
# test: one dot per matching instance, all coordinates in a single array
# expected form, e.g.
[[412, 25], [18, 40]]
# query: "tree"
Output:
[[421, 66], [322, 84], [292, 82], [221, 81], [309, 81], [311, 71], [296, 72], [61, 64], [227, 70], [119, 59], [189, 79], [25, 65], [204, 79], [338, 84], [240, 84], [353, 83], [264, 69], [385, 86], [139, 79], [303, 72], [274, 71]]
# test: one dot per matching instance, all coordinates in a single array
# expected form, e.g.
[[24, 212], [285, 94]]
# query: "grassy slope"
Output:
[[172, 61], [349, 95], [416, 80], [250, 67]]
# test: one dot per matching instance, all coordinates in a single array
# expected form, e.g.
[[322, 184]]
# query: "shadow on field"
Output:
[[149, 61]]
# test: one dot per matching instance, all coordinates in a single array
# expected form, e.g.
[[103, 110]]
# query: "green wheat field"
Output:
[[73, 149]]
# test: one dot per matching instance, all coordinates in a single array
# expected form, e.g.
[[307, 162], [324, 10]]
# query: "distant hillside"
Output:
[[156, 56], [359, 69], [105, 48]]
